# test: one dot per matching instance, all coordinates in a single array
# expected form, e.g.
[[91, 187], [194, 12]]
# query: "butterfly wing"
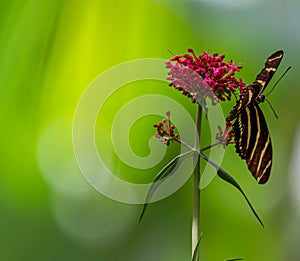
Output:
[[252, 92], [266, 74], [247, 96], [253, 142]]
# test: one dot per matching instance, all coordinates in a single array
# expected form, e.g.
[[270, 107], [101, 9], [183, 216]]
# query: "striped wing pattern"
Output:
[[271, 65], [253, 142], [252, 138], [246, 98], [252, 92]]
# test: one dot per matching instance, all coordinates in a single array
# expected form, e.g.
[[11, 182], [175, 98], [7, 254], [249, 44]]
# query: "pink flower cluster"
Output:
[[165, 131], [204, 76]]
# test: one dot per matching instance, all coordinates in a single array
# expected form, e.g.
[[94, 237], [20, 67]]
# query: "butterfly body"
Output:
[[252, 138]]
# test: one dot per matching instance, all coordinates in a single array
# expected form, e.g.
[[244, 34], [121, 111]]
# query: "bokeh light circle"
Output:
[[88, 157]]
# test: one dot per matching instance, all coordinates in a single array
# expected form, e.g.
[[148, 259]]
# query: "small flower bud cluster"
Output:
[[165, 131], [226, 137]]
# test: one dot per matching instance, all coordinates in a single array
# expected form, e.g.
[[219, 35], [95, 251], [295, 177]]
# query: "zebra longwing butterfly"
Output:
[[251, 134]]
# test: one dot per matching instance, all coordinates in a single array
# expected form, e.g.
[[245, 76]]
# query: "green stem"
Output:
[[196, 205], [211, 146]]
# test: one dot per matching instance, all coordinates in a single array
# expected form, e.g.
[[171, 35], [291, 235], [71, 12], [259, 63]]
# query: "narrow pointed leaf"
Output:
[[159, 178], [228, 178], [235, 259]]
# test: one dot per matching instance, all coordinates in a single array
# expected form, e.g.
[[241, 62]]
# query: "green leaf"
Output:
[[159, 178], [228, 178], [235, 259], [194, 257]]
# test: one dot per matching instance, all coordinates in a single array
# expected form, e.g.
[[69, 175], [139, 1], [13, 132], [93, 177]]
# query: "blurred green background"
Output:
[[50, 52]]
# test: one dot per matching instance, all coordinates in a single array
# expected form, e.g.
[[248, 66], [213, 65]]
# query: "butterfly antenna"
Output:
[[275, 114], [168, 50], [279, 80]]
